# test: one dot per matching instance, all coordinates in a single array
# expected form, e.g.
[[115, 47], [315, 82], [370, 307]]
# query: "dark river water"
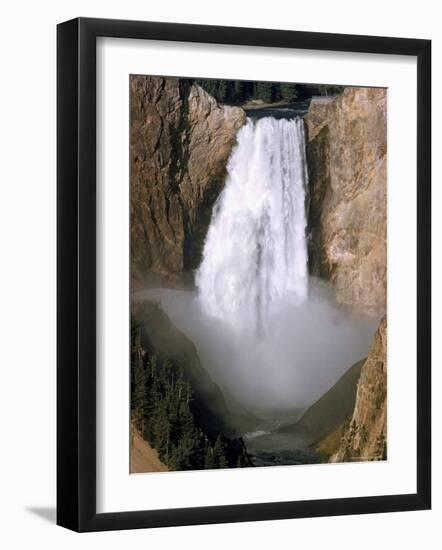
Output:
[[274, 448]]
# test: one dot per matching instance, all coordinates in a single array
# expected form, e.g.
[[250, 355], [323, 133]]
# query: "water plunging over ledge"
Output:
[[268, 334], [255, 253]]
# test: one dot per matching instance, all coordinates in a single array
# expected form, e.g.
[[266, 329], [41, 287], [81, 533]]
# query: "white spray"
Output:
[[269, 335], [255, 254]]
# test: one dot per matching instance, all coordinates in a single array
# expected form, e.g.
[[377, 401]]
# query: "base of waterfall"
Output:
[[305, 350], [278, 375], [274, 375]]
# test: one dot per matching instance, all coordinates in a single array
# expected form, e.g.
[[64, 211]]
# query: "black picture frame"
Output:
[[76, 274]]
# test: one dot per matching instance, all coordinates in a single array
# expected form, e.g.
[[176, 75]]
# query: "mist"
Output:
[[304, 350], [268, 334]]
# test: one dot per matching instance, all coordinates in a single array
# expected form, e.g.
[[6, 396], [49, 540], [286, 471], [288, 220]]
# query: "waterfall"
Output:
[[269, 335], [255, 254]]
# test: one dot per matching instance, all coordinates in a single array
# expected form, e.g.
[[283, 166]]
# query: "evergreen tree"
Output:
[[221, 92], [327, 90], [240, 91], [139, 381], [209, 461], [210, 86], [219, 453], [150, 400], [276, 92], [288, 92], [264, 91], [161, 410]]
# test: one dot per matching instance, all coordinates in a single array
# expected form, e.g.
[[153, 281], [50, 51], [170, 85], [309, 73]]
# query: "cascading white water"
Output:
[[267, 334], [255, 253]]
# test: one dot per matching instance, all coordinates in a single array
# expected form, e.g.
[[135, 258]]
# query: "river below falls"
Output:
[[275, 448]]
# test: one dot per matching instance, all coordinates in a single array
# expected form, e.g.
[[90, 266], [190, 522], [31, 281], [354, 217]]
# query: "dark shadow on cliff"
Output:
[[161, 338], [332, 408], [318, 162]]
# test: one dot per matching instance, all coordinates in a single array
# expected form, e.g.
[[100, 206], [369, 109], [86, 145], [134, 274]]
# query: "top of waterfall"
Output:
[[255, 253], [288, 111]]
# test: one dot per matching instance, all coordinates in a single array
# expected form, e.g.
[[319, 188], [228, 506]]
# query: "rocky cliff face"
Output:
[[364, 436], [329, 412], [180, 141], [346, 153]]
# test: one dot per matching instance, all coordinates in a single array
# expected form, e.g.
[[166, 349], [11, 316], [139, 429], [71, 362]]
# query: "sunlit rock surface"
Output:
[[180, 142], [347, 160], [364, 436]]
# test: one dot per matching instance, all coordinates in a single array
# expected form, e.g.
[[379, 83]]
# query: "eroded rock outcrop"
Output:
[[364, 436], [346, 152], [180, 141]]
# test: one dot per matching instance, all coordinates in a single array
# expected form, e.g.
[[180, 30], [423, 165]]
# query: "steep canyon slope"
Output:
[[365, 436], [347, 159], [181, 139]]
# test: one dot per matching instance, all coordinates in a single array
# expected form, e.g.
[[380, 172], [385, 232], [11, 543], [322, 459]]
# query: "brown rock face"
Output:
[[364, 436], [180, 141], [346, 152]]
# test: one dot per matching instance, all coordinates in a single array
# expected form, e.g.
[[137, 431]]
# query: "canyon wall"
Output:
[[347, 160], [364, 436], [180, 141], [347, 224]]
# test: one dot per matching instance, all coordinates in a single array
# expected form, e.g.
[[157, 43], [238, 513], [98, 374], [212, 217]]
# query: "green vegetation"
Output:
[[240, 92], [162, 405]]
